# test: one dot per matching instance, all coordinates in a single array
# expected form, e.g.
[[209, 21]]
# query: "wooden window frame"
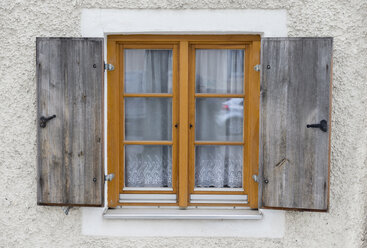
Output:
[[183, 113], [174, 98]]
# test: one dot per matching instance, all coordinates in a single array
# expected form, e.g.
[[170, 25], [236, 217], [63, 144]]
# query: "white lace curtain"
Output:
[[150, 71], [219, 119]]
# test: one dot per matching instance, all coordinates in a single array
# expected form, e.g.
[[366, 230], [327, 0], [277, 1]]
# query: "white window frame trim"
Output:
[[102, 22]]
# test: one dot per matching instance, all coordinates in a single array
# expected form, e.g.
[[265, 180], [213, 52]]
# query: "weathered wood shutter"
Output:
[[70, 146], [295, 92]]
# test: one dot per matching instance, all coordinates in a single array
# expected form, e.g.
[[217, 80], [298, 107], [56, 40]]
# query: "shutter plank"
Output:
[[70, 158], [295, 91]]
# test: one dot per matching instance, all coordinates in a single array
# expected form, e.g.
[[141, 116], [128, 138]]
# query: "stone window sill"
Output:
[[150, 213]]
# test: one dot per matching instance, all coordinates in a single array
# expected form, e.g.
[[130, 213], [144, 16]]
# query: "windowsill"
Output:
[[186, 214]]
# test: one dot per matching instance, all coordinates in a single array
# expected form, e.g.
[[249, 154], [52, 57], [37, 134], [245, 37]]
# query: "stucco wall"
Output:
[[23, 224]]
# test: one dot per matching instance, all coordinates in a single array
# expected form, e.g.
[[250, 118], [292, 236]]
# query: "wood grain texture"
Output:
[[70, 147], [183, 149], [251, 120], [295, 91], [252, 125], [114, 126], [116, 120], [197, 39], [184, 109]]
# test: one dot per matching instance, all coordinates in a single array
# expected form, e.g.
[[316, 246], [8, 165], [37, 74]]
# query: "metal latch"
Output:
[[109, 177], [109, 67], [257, 67], [322, 125], [44, 120]]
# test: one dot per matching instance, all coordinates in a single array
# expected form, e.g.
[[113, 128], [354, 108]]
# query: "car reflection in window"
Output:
[[231, 116]]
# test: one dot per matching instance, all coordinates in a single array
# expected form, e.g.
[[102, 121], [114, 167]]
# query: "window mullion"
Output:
[[184, 124]]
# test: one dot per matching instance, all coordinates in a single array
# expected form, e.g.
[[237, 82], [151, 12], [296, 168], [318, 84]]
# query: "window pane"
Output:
[[218, 166], [148, 118], [219, 119], [148, 71], [220, 71], [148, 166]]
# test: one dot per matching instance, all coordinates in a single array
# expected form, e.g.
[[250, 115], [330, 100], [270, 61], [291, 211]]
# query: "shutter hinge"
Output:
[[109, 67], [255, 177], [257, 67], [109, 177]]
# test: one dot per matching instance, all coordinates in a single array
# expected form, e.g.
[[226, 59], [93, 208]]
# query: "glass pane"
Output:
[[219, 119], [220, 71], [148, 118], [218, 166], [148, 166], [148, 71]]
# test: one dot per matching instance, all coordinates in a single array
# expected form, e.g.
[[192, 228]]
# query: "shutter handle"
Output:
[[44, 120], [322, 125]]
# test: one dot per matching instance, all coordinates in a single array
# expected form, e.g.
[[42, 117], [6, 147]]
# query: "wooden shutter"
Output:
[[70, 146], [295, 92]]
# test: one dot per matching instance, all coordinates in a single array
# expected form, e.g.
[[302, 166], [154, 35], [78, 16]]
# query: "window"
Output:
[[174, 132], [183, 120]]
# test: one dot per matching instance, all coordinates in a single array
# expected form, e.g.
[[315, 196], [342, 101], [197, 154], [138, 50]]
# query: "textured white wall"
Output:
[[99, 22], [23, 224]]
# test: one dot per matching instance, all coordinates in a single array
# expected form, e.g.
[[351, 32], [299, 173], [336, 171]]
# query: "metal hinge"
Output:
[[257, 67], [109, 177], [109, 67], [256, 178]]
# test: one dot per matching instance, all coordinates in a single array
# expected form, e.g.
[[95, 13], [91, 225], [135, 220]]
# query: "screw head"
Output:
[[266, 181], [94, 66], [94, 179], [268, 67]]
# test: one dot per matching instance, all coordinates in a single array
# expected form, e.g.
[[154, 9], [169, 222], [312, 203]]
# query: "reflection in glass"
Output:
[[148, 166], [148, 71], [220, 71], [148, 118], [219, 119], [218, 166]]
